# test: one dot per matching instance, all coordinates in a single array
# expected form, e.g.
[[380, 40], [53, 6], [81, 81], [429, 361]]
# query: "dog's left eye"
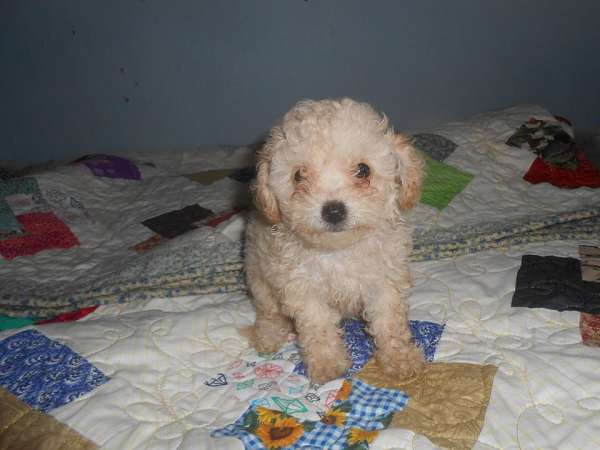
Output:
[[362, 171], [298, 176]]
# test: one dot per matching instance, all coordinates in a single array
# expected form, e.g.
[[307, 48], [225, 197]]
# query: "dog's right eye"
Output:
[[298, 176]]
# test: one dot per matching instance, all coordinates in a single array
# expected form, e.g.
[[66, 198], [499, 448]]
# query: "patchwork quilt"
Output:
[[123, 304]]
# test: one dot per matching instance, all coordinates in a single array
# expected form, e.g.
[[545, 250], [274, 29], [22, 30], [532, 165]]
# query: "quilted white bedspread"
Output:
[[165, 357], [159, 354]]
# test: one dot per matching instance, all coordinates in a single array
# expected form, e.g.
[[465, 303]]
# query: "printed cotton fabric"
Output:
[[357, 415]]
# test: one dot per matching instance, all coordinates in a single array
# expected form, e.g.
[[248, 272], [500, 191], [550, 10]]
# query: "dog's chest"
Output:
[[344, 275]]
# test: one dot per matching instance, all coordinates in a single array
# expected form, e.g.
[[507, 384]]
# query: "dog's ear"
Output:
[[264, 199], [409, 172]]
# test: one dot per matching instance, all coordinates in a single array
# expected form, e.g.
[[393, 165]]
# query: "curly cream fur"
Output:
[[305, 275]]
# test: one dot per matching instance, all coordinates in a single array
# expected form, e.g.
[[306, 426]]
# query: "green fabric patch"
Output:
[[442, 182], [9, 323]]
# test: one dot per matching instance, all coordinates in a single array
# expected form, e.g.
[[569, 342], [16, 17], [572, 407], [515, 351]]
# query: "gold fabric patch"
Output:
[[447, 401], [209, 176], [590, 263], [24, 428]]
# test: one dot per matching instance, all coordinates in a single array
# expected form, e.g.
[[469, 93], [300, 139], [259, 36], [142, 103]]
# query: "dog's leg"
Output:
[[271, 327], [321, 341], [395, 353]]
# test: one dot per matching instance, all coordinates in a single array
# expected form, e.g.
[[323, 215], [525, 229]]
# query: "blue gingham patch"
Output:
[[369, 404], [360, 412]]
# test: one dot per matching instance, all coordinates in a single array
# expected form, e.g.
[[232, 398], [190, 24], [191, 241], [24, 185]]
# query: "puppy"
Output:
[[330, 239]]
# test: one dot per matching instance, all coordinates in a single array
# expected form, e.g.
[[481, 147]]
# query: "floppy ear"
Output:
[[409, 172], [264, 199]]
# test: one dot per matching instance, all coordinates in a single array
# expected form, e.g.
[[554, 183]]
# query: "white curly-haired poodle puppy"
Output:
[[330, 239]]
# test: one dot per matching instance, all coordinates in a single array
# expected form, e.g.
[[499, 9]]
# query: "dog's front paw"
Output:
[[327, 363], [269, 335], [400, 361], [324, 371]]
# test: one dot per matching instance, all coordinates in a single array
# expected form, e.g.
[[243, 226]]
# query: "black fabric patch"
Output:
[[244, 175], [552, 282], [436, 146], [175, 223]]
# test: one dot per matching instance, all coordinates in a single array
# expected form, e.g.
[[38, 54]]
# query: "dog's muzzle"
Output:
[[334, 212]]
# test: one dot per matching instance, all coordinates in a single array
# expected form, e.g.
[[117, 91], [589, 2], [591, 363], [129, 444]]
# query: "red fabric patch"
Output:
[[586, 175], [589, 325], [70, 316], [222, 217], [42, 231], [148, 244]]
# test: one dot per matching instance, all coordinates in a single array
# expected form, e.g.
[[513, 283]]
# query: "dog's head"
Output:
[[334, 171]]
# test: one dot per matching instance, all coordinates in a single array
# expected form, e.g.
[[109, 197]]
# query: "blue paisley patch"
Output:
[[44, 373], [361, 347]]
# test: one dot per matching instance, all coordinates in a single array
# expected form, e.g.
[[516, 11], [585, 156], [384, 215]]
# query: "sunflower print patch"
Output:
[[359, 412]]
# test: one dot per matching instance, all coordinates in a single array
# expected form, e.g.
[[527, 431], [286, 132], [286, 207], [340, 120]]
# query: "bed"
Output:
[[122, 299]]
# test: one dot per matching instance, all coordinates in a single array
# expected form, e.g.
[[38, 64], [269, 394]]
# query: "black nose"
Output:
[[333, 212]]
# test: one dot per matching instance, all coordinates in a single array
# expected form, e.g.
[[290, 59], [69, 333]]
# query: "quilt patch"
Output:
[[590, 263], [175, 223], [585, 175], [67, 205], [589, 328], [44, 373], [448, 401], [208, 177], [110, 166], [273, 381], [279, 381], [442, 183], [9, 323], [41, 231], [357, 415], [361, 347], [148, 244], [553, 282], [244, 175], [16, 194], [436, 146], [549, 141], [589, 324], [22, 427]]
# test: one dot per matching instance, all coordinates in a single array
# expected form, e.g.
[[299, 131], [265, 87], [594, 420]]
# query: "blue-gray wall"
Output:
[[118, 75]]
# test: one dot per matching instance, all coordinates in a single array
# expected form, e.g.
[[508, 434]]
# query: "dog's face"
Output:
[[334, 171]]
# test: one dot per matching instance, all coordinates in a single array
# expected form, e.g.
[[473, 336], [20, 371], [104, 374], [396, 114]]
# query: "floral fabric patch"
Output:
[[548, 140], [44, 373], [279, 380], [357, 415]]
